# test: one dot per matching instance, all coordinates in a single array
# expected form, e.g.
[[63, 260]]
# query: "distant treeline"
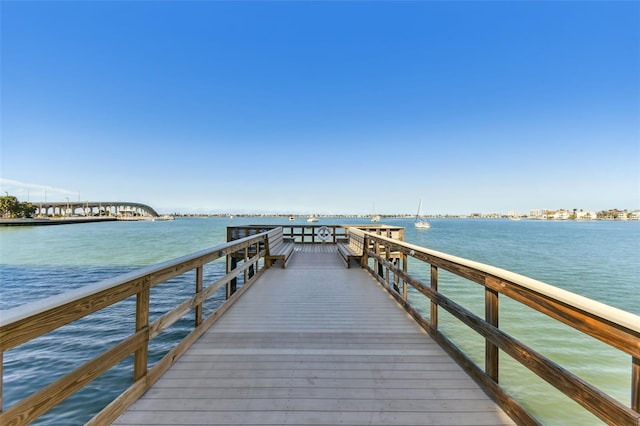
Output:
[[11, 208]]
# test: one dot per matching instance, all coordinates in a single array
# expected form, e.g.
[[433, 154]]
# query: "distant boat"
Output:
[[292, 218], [375, 217], [421, 223], [312, 219]]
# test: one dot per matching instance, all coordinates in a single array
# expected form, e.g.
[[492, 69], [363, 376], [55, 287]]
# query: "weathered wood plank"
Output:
[[286, 403], [315, 345], [245, 417], [426, 393]]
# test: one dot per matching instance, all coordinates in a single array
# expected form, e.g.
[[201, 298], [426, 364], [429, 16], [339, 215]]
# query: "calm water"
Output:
[[599, 260]]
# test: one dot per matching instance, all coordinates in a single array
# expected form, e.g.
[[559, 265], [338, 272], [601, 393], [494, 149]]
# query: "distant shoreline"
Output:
[[60, 221], [80, 219], [396, 216]]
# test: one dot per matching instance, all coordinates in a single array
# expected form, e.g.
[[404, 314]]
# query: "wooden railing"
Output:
[[619, 329], [385, 258], [309, 234], [25, 323]]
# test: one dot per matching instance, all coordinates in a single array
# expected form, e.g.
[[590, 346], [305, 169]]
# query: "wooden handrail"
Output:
[[307, 234], [245, 259], [615, 327], [27, 322]]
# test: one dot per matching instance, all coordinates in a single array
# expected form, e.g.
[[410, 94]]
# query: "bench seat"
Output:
[[352, 249], [278, 248]]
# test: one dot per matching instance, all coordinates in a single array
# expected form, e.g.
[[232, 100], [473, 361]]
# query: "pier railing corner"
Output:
[[386, 259]]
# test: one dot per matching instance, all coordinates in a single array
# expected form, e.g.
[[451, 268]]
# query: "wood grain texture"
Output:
[[315, 344]]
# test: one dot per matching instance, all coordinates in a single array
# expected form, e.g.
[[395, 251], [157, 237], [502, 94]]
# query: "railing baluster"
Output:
[[364, 262], [434, 306], [388, 270], [396, 278], [380, 266], [198, 310], [491, 316], [251, 271], [246, 257], [142, 321], [405, 286], [232, 263]]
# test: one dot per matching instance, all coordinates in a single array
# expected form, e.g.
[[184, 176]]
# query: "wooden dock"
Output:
[[315, 344]]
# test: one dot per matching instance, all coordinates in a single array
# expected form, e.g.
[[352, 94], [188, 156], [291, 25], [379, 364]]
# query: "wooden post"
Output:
[[405, 286], [232, 263], [364, 260], [244, 275], [635, 384], [395, 277], [491, 316], [434, 306], [142, 321], [198, 310], [378, 250]]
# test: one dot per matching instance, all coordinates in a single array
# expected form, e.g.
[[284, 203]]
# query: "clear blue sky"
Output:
[[324, 107]]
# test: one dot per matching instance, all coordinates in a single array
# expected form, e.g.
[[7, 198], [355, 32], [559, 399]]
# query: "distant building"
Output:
[[562, 215], [536, 214], [585, 215]]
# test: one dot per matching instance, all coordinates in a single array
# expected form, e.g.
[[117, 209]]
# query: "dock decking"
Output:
[[315, 344]]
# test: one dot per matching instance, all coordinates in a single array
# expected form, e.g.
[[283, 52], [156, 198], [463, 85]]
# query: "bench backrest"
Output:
[[356, 241], [274, 238]]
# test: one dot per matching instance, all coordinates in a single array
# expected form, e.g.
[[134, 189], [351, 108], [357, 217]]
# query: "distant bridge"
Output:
[[94, 208]]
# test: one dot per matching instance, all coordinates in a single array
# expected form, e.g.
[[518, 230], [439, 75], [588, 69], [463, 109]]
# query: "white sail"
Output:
[[421, 223]]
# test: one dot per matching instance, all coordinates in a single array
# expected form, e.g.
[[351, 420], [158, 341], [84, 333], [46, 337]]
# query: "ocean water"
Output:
[[599, 260]]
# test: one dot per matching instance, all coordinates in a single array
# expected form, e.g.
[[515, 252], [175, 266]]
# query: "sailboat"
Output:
[[421, 223], [375, 217]]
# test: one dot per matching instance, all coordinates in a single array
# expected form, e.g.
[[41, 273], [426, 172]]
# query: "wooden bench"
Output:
[[352, 249], [278, 247]]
